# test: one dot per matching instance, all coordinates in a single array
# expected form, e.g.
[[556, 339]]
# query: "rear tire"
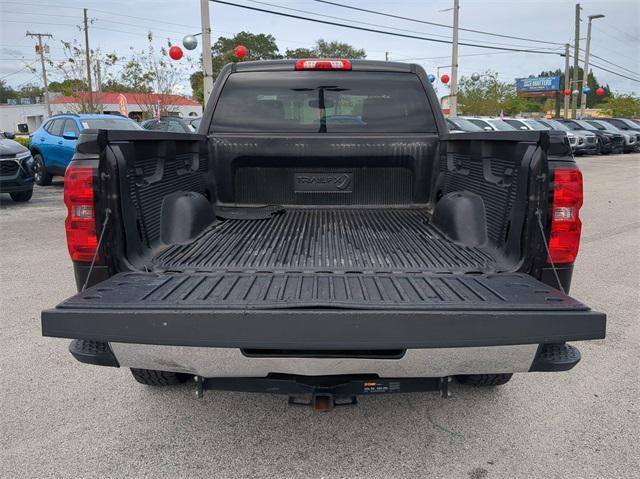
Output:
[[484, 379], [21, 196], [149, 377], [40, 173]]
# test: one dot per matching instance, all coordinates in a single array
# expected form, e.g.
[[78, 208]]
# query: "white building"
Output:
[[134, 105], [13, 115]]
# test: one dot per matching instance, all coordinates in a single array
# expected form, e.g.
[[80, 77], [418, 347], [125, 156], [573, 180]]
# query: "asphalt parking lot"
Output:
[[64, 419]]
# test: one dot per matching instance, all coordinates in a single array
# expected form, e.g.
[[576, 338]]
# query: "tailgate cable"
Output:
[[546, 247], [95, 254]]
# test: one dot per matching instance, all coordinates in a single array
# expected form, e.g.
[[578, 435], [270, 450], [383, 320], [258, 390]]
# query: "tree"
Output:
[[151, 71], [115, 86], [592, 82], [6, 92], [264, 47], [627, 106], [26, 91], [514, 104], [73, 70], [485, 96], [144, 71], [197, 86], [325, 49], [68, 87], [261, 47]]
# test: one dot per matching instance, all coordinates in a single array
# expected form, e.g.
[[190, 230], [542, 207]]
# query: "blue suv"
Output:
[[54, 143]]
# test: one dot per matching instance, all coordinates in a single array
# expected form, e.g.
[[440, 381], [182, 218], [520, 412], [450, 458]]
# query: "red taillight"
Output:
[[328, 64], [565, 216], [80, 223]]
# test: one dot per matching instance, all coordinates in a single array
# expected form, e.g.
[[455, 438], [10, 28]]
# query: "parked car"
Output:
[[526, 124], [16, 169], [537, 125], [490, 124], [608, 142], [626, 125], [392, 255], [630, 138], [169, 123], [54, 142], [586, 142], [195, 123], [457, 124]]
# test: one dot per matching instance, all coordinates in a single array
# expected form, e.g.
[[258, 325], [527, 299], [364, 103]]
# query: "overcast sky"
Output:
[[615, 38]]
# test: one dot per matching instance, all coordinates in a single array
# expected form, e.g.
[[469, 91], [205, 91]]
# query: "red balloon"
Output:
[[175, 52], [241, 51], [444, 78], [600, 91], [567, 92]]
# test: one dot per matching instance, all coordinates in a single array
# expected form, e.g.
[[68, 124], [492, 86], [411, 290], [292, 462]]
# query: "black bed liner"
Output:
[[323, 311], [328, 240]]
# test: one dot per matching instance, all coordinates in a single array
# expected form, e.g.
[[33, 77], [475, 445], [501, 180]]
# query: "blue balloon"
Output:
[[586, 90], [431, 77]]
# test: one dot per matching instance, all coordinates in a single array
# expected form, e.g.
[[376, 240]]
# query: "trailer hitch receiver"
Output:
[[323, 393]]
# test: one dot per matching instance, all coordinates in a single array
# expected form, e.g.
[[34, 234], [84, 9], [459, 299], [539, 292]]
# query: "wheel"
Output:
[[40, 173], [22, 196], [158, 378], [484, 379]]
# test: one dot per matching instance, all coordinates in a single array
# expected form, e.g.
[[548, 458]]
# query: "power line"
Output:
[[614, 38], [615, 73], [103, 11], [449, 56], [618, 30], [615, 65], [442, 25], [40, 14], [190, 28], [41, 23], [109, 20], [26, 67], [615, 52], [364, 29], [376, 24]]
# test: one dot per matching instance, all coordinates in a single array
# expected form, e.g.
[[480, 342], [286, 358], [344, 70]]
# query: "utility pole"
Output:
[[99, 87], [583, 102], [207, 65], [576, 53], [44, 70], [88, 59], [453, 108], [567, 80]]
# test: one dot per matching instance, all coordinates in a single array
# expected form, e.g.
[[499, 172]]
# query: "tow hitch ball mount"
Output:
[[323, 393]]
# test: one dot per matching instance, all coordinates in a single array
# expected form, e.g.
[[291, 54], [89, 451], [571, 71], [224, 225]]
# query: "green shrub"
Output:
[[23, 140]]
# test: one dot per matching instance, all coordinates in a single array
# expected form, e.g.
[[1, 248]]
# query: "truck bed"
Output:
[[327, 240]]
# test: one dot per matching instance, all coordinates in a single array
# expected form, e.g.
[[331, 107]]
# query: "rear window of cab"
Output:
[[323, 102]]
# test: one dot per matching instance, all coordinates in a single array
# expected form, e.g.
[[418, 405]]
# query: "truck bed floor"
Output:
[[327, 240]]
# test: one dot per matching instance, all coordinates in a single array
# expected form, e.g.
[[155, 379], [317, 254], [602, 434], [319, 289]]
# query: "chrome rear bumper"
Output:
[[231, 362]]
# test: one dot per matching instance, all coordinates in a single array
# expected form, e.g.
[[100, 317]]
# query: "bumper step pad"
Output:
[[556, 357], [93, 352]]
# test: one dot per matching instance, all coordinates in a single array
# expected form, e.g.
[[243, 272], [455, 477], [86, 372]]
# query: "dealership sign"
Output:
[[534, 84], [538, 86]]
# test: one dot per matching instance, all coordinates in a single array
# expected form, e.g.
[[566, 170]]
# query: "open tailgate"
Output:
[[323, 311]]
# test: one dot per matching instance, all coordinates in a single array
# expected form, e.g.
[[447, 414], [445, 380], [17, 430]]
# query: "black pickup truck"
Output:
[[324, 236]]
